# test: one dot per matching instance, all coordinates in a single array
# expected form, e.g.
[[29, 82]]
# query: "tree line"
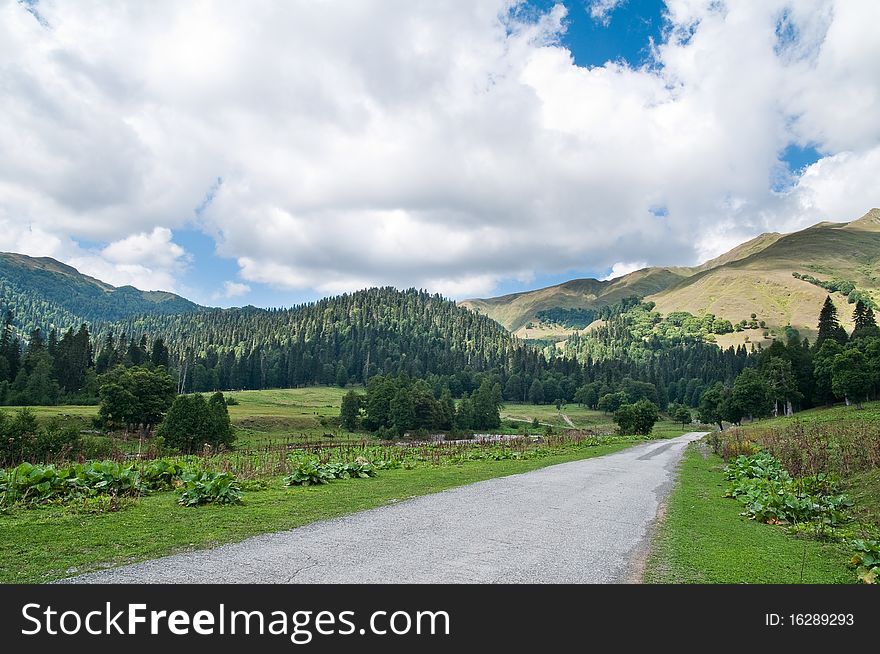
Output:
[[392, 406], [351, 338], [793, 375]]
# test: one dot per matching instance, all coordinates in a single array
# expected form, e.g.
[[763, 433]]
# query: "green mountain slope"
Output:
[[754, 277], [762, 282], [515, 311], [43, 292]]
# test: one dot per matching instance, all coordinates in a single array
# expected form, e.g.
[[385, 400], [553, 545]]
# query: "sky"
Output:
[[271, 153]]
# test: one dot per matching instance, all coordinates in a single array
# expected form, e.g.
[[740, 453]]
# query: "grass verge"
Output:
[[49, 543], [703, 539]]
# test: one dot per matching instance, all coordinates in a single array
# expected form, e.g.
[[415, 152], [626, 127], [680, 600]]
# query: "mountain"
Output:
[[43, 292], [517, 310], [758, 277], [354, 335]]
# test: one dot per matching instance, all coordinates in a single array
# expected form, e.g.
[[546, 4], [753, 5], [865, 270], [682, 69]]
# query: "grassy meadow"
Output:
[[293, 415], [704, 537], [277, 431]]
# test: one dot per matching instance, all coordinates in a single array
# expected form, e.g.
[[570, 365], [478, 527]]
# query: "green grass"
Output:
[[42, 544], [864, 490], [267, 417], [271, 416], [703, 539], [839, 414]]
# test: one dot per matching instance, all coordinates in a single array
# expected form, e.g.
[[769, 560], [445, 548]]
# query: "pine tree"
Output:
[[865, 323], [829, 326], [349, 414]]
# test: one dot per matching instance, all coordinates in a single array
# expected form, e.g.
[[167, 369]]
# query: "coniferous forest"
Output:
[[345, 340], [382, 332]]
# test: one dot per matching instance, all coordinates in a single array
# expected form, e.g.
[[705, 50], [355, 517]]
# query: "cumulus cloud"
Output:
[[147, 260], [622, 268], [234, 289], [442, 145]]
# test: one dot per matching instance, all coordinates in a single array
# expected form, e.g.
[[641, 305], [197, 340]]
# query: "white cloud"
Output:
[[440, 145], [622, 268], [601, 10], [234, 289], [149, 261]]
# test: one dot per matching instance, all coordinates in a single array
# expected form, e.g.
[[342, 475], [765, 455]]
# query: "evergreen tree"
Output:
[[783, 385], [486, 401], [400, 411], [865, 322], [192, 423], [829, 326], [349, 414], [341, 375], [159, 355], [536, 392], [823, 364], [221, 431], [446, 411], [513, 389]]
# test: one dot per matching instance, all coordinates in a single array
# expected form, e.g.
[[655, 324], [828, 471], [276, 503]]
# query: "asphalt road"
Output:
[[580, 522]]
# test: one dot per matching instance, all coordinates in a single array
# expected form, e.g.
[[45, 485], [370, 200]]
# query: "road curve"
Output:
[[581, 522]]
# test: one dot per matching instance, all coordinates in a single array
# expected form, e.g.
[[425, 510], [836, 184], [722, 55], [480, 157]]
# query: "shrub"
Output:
[[161, 474], [55, 441], [38, 484], [313, 473], [771, 495], [17, 436], [308, 473], [192, 422], [199, 487], [95, 447], [866, 560], [638, 418]]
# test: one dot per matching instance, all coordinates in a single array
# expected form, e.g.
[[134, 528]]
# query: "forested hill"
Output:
[[43, 292], [351, 336], [345, 339]]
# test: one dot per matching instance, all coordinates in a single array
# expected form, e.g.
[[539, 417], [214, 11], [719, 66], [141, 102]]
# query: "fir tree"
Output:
[[829, 326], [865, 323]]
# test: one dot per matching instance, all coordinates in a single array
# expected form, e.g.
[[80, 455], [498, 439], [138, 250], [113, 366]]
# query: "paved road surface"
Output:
[[584, 521]]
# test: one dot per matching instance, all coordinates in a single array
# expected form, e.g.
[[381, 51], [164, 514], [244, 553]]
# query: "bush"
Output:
[[95, 447], [771, 495], [55, 441], [161, 474], [38, 484], [17, 436], [866, 560], [192, 422], [199, 487], [308, 473], [638, 418], [313, 473]]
